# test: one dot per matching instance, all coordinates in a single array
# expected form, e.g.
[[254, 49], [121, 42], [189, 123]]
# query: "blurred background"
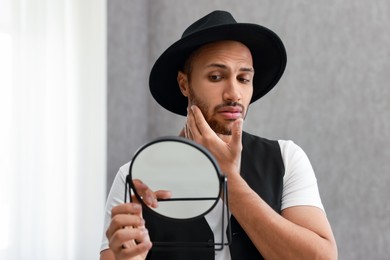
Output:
[[53, 128], [75, 106]]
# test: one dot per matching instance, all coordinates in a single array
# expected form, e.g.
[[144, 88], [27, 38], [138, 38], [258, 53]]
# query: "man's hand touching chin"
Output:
[[225, 148]]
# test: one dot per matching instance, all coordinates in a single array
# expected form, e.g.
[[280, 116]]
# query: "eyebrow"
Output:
[[222, 66]]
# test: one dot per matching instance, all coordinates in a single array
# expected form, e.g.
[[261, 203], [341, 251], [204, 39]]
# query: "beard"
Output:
[[215, 125]]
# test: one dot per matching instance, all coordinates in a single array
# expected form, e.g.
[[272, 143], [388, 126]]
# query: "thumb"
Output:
[[237, 133]]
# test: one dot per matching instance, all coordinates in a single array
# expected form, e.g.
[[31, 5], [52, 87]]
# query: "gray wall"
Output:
[[333, 99]]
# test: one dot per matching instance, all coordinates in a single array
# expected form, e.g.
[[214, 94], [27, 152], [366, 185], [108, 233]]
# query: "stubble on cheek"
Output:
[[214, 124]]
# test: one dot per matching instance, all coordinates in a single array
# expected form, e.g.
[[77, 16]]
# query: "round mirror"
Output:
[[182, 167]]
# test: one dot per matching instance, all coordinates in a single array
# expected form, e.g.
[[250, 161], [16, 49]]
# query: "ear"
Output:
[[182, 80]]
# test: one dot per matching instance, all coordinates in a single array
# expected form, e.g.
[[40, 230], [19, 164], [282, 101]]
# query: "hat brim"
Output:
[[268, 54]]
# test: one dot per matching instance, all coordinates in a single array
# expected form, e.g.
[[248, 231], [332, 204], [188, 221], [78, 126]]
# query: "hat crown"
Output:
[[215, 18]]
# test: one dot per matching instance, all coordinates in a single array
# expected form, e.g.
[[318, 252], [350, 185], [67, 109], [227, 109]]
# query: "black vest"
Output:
[[263, 169]]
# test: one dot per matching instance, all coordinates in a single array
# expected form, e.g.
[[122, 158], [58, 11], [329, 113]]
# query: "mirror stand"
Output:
[[227, 212]]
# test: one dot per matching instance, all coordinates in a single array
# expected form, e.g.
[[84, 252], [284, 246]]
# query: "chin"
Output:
[[222, 129]]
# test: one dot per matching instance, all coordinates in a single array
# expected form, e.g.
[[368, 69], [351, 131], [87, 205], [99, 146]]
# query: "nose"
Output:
[[232, 91]]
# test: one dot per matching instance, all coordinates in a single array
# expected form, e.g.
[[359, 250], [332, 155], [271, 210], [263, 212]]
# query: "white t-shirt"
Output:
[[299, 188]]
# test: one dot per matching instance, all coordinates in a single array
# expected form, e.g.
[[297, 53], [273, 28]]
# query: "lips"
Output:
[[230, 112]]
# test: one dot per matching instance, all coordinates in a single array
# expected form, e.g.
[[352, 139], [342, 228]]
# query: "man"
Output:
[[211, 75]]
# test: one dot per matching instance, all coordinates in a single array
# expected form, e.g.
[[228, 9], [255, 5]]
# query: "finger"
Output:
[[139, 185], [201, 126], [118, 222], [117, 225], [134, 199], [126, 208], [148, 196], [163, 194], [151, 198], [191, 127], [236, 140], [139, 235], [193, 123], [130, 241], [187, 129], [135, 250], [185, 126]]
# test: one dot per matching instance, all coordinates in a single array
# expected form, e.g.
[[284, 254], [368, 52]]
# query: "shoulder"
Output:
[[289, 149], [299, 183], [124, 169], [117, 190], [293, 154]]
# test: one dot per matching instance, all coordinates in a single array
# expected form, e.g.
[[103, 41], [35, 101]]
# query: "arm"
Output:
[[302, 231]]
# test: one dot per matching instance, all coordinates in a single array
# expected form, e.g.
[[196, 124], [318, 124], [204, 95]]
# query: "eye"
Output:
[[244, 79], [215, 77]]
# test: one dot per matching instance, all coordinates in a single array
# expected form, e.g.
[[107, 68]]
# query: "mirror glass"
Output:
[[182, 167]]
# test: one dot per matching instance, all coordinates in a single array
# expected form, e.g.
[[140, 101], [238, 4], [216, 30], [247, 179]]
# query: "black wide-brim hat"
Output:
[[268, 54]]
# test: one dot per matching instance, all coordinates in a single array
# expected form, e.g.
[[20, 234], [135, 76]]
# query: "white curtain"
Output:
[[53, 128]]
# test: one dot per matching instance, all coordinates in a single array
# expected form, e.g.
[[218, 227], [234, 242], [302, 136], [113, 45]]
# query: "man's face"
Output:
[[220, 83]]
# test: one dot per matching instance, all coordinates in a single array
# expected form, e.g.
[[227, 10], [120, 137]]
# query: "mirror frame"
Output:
[[222, 179]]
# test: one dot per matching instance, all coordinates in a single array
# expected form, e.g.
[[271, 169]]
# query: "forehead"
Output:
[[223, 51]]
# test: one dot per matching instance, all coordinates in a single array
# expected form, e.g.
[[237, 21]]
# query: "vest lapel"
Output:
[[263, 169]]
